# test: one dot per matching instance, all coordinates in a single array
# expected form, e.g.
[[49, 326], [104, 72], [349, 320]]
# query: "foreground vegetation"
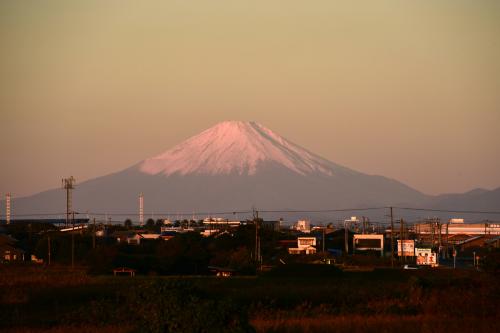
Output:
[[298, 298]]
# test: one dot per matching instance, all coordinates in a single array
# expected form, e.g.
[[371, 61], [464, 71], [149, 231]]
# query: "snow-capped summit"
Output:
[[235, 147], [236, 165], [228, 168]]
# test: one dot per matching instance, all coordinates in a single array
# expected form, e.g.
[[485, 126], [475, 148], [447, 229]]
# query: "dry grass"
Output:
[[374, 324], [425, 302], [41, 276], [17, 281], [73, 329]]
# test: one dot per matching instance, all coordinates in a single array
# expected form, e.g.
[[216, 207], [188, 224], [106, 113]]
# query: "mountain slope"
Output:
[[478, 200], [231, 166], [235, 147]]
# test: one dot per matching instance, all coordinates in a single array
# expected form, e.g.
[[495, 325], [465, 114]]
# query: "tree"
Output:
[[150, 223], [127, 224]]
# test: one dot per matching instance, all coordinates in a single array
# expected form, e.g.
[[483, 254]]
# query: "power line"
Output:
[[171, 213], [41, 214], [269, 212], [449, 211], [321, 210]]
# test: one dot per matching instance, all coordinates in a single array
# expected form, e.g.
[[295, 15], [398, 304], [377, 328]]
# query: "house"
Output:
[[167, 235], [493, 242], [464, 241], [221, 271], [305, 245], [209, 232], [8, 251], [132, 237], [11, 254], [75, 229], [124, 236], [36, 260], [120, 271], [149, 236]]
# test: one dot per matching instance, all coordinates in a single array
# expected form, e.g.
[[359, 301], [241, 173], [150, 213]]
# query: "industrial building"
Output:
[[456, 227]]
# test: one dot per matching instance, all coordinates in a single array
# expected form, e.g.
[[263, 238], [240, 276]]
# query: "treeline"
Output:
[[185, 254]]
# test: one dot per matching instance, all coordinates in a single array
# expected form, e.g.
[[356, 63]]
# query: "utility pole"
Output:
[[73, 241], [402, 238], [439, 238], [141, 209], [346, 236], [93, 235], [392, 239], [447, 244], [257, 239], [48, 248], [324, 230], [433, 227], [454, 257], [68, 184], [7, 208]]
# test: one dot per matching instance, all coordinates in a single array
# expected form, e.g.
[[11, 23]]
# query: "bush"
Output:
[[491, 262], [177, 306], [304, 270]]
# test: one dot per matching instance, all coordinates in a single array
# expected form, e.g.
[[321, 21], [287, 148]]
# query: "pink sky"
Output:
[[405, 90]]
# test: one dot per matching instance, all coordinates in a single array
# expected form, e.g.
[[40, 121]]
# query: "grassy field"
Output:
[[300, 299]]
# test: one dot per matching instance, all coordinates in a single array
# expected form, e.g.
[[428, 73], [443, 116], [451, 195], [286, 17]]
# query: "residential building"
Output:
[[302, 226], [305, 245]]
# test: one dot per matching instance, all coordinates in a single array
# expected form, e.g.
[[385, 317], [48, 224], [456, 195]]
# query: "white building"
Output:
[[351, 223], [305, 245], [303, 226], [221, 222], [209, 232], [458, 226]]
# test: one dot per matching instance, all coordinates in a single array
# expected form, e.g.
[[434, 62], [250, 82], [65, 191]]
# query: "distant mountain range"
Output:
[[235, 166]]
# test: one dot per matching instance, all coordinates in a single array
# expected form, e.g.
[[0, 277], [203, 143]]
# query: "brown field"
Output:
[[73, 329], [374, 324], [37, 299]]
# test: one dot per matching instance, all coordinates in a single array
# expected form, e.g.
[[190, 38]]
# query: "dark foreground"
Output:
[[300, 299]]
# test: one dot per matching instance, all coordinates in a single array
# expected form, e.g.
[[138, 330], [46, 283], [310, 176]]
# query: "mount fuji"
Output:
[[231, 166]]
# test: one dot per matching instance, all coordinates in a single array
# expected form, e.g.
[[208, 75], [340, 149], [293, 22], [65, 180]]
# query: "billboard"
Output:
[[368, 242], [408, 249], [425, 257]]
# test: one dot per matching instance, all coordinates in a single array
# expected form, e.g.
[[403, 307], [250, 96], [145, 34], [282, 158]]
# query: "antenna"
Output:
[[68, 184], [7, 208], [141, 209]]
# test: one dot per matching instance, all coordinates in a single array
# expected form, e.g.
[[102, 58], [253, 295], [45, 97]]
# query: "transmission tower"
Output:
[[7, 208], [68, 184], [141, 209]]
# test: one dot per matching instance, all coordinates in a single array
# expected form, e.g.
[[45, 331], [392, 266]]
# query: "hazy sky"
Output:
[[404, 89]]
